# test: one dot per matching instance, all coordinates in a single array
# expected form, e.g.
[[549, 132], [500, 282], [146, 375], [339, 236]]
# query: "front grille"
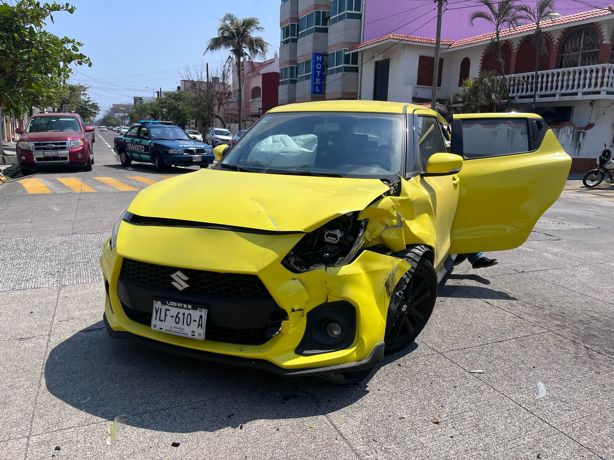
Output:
[[240, 309], [194, 151], [227, 285], [51, 145]]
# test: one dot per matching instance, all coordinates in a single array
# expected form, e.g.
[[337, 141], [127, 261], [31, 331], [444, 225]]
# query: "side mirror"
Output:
[[89, 129], [219, 151], [19, 130], [443, 164]]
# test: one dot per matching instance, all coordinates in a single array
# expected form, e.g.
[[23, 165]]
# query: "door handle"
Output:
[[455, 181]]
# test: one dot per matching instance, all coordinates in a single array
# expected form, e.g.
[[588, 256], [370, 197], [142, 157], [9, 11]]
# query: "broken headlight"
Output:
[[334, 244]]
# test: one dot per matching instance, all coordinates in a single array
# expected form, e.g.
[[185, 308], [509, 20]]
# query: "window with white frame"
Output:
[[304, 70], [289, 33], [287, 75], [342, 61], [316, 21], [345, 9]]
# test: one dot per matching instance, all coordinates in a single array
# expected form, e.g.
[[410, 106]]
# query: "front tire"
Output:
[[159, 164], [593, 178], [412, 301], [125, 160]]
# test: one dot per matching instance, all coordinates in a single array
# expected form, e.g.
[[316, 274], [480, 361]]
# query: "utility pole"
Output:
[[209, 99], [437, 50]]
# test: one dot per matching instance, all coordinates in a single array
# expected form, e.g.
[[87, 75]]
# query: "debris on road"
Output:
[[435, 421], [114, 430], [541, 390], [175, 444], [476, 371]]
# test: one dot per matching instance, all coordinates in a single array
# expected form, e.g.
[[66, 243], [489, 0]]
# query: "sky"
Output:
[[137, 46], [417, 17]]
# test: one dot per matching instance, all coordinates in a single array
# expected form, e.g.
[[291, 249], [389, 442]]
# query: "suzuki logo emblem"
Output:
[[180, 280]]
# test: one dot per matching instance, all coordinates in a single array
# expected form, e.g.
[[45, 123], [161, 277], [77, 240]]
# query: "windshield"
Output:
[[191, 131], [222, 132], [53, 124], [171, 133], [339, 144]]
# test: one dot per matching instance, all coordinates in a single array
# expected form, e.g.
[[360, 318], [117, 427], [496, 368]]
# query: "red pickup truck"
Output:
[[56, 139]]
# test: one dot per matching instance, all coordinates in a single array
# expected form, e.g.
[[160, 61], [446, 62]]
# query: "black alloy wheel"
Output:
[[125, 159], [412, 302]]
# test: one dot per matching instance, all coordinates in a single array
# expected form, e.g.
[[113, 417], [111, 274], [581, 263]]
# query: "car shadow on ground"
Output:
[[468, 292], [149, 389], [144, 167]]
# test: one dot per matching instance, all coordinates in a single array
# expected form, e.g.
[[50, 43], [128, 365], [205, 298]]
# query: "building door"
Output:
[[380, 89]]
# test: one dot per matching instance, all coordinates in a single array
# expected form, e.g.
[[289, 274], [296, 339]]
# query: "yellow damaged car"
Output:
[[316, 243]]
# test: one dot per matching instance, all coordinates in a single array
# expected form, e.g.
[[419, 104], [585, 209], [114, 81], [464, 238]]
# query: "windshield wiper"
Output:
[[298, 172], [235, 167]]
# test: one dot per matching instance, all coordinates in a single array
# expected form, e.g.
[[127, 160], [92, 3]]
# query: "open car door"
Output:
[[514, 170]]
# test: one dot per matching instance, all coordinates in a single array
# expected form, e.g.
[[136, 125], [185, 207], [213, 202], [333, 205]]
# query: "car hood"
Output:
[[191, 144], [270, 202], [50, 136]]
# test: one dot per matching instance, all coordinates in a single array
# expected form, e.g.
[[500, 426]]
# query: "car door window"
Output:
[[132, 132], [429, 138], [144, 133], [483, 137]]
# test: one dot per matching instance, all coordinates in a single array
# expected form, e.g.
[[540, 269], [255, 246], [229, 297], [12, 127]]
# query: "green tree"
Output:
[[145, 110], [74, 98], [177, 107], [237, 35], [34, 64], [486, 93], [109, 120], [501, 14]]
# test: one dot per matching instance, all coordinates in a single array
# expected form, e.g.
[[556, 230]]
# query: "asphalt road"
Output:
[[542, 321]]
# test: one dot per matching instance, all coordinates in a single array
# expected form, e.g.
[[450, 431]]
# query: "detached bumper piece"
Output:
[[369, 362]]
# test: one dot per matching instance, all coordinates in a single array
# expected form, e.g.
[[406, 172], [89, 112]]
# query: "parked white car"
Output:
[[217, 136], [194, 135]]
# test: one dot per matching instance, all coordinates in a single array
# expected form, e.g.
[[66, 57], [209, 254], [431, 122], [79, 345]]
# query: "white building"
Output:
[[575, 85]]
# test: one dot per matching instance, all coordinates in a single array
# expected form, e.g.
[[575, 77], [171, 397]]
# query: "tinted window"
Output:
[[494, 137], [353, 144], [132, 132], [429, 137], [163, 132], [53, 124]]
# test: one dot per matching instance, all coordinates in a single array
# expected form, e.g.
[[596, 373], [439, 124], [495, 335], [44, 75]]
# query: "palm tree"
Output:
[[544, 9], [237, 35], [501, 14]]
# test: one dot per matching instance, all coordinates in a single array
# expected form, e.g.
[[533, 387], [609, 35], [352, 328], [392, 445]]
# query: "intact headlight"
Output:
[[334, 244], [175, 151], [24, 145], [113, 240], [75, 143]]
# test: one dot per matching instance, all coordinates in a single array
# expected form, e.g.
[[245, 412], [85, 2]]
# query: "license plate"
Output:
[[50, 154], [179, 318], [197, 158]]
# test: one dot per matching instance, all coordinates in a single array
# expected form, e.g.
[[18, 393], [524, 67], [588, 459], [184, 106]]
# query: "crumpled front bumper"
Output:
[[366, 283]]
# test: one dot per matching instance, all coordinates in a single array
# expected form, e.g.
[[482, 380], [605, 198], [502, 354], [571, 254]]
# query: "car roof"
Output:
[[470, 116], [55, 114], [351, 106]]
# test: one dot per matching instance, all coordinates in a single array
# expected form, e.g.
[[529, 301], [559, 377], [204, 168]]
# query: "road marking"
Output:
[[107, 144], [75, 184], [143, 179], [34, 186], [116, 184]]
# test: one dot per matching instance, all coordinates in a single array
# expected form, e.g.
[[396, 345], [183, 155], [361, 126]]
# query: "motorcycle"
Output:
[[605, 167]]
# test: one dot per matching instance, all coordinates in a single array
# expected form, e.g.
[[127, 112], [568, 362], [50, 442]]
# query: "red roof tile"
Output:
[[523, 29]]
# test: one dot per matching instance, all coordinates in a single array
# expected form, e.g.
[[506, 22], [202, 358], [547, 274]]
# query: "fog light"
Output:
[[333, 330]]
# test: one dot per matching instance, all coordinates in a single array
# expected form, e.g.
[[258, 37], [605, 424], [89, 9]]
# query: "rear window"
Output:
[[53, 124], [494, 137]]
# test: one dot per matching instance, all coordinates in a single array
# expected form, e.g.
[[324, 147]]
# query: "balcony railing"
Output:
[[585, 82]]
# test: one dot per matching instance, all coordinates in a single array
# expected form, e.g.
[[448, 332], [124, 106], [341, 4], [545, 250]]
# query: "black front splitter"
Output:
[[369, 362]]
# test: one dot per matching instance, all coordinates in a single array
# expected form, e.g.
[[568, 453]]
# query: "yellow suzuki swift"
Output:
[[315, 245]]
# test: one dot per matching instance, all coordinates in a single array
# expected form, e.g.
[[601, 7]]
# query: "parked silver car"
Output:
[[217, 136]]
